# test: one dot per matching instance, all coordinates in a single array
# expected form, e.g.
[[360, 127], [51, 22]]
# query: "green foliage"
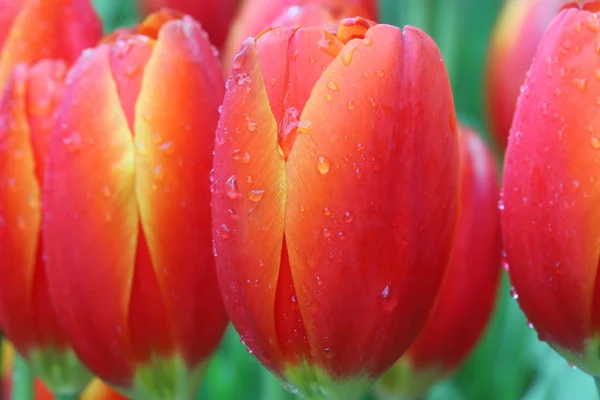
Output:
[[509, 363]]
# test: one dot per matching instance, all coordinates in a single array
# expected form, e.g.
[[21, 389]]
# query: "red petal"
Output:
[[551, 220], [176, 116], [367, 241], [468, 295]]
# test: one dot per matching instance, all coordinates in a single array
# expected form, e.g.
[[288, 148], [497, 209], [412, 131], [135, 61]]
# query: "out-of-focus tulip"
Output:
[[515, 38], [214, 15], [8, 11], [96, 390], [59, 29], [126, 219], [467, 297], [330, 247], [551, 192], [26, 314], [256, 15]]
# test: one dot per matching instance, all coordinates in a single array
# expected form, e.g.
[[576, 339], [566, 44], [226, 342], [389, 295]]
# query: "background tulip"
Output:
[[26, 314], [214, 15], [127, 196], [517, 33], [330, 250], [58, 29], [551, 194], [467, 297], [256, 15]]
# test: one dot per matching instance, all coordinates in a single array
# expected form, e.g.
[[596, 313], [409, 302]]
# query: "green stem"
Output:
[[22, 380], [597, 382]]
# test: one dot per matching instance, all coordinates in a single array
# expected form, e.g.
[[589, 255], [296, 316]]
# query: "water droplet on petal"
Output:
[[323, 165], [256, 195], [231, 188]]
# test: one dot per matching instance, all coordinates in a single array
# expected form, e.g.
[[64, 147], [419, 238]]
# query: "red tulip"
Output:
[[256, 15], [467, 298], [551, 194], [516, 36], [26, 316], [127, 196], [330, 247], [59, 29], [214, 15]]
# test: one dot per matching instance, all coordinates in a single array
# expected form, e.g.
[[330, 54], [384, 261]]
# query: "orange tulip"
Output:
[[467, 298], [550, 218], [515, 38], [41, 29], [59, 29], [127, 196], [256, 15], [330, 247], [214, 15]]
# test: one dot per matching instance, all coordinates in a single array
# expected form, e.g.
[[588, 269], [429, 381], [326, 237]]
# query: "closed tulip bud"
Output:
[[126, 217], [330, 247], [214, 15], [550, 216], [59, 29], [467, 297], [256, 15], [515, 38], [26, 314]]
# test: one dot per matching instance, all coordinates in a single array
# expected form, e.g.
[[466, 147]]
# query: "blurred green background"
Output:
[[509, 362]]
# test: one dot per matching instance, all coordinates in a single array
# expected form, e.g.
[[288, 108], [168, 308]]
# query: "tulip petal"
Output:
[[90, 225], [59, 29], [19, 215], [360, 219], [551, 219], [467, 298], [176, 116], [248, 203]]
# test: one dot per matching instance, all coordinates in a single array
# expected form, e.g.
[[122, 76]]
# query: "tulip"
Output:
[[550, 218], [59, 29], [26, 314], [214, 15], [467, 297], [517, 33], [256, 15], [127, 196], [330, 247]]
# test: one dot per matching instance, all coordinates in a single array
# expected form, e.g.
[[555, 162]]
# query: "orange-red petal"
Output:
[[20, 215], [248, 202], [176, 116], [360, 219], [90, 226]]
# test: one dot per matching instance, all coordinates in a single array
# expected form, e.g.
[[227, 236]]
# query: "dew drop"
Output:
[[231, 188], [379, 73], [333, 86], [73, 142], [348, 217], [326, 211], [580, 84], [595, 142], [326, 232], [251, 126], [256, 195], [350, 105], [328, 96], [323, 165], [312, 60]]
